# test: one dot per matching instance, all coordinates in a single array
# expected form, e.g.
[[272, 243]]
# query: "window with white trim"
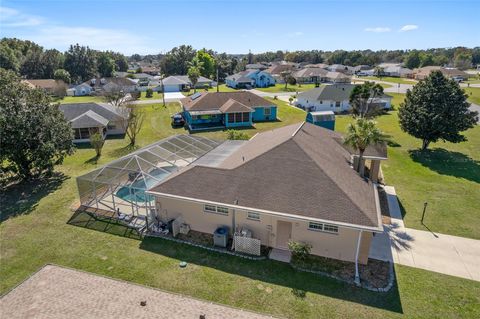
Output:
[[253, 216], [215, 209], [267, 111], [323, 227]]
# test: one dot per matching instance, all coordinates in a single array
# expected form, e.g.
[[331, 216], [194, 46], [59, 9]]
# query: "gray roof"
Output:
[[89, 119], [106, 111], [309, 72], [335, 92], [299, 170], [183, 80]]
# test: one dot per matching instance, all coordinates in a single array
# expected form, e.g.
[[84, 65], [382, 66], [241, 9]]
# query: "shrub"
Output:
[[291, 80], [149, 93], [130, 76], [275, 97], [299, 250], [135, 95], [237, 135], [290, 99]]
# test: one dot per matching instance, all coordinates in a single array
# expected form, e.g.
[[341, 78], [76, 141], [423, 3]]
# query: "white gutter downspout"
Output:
[[357, 276]]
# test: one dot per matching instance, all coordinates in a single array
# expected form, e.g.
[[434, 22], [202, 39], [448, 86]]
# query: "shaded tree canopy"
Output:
[[436, 109], [35, 135]]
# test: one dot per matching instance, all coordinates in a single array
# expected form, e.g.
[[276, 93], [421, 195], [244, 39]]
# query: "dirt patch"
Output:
[[375, 273]]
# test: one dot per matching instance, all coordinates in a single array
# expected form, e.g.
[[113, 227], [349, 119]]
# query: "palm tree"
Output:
[[361, 134], [194, 72]]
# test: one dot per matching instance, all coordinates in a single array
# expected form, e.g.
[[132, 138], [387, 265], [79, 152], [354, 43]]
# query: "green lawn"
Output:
[[388, 79], [221, 88], [473, 95], [81, 99], [447, 177], [40, 234], [156, 96], [277, 88]]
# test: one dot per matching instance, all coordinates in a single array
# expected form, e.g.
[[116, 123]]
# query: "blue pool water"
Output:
[[135, 192]]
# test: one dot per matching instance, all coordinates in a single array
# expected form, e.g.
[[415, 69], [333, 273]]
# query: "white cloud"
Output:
[[294, 34], [13, 18], [408, 27], [378, 29]]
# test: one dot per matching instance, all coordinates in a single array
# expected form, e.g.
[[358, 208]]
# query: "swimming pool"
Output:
[[135, 192]]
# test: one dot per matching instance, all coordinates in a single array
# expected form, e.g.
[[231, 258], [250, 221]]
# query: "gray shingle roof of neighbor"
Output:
[[335, 92], [183, 80], [109, 112], [89, 119], [214, 100], [300, 170], [306, 72]]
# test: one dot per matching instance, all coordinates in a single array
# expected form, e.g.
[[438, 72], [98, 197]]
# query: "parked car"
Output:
[[178, 120], [457, 79]]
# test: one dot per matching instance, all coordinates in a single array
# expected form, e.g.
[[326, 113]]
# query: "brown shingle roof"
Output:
[[234, 106], [303, 172], [214, 100]]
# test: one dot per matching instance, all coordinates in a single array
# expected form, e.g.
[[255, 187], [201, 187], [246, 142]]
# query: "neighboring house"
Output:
[[293, 183], [208, 110], [50, 86], [397, 71], [311, 75], [422, 73], [89, 118], [178, 83], [250, 78], [341, 68], [143, 78], [276, 71], [255, 66], [99, 85], [338, 77], [334, 98]]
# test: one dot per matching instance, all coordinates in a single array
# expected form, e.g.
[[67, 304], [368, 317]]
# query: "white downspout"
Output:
[[357, 275]]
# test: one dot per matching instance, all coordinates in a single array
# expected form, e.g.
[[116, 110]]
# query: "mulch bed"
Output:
[[374, 274], [382, 196]]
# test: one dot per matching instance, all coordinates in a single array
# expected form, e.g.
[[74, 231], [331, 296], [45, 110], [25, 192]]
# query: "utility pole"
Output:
[[217, 80], [424, 210]]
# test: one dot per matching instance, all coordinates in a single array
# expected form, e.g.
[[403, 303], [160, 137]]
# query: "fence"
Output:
[[247, 245]]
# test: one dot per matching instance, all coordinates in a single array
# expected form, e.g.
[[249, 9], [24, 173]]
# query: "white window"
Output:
[[210, 208], [267, 111], [215, 209], [253, 216], [323, 227]]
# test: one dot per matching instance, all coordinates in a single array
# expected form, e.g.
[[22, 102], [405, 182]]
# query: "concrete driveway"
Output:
[[446, 254]]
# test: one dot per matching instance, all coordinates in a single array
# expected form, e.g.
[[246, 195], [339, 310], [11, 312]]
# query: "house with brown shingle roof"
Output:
[[207, 110], [294, 183], [50, 86]]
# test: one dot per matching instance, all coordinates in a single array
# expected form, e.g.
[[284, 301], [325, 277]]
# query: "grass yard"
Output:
[[473, 95], [38, 233], [221, 88], [155, 96], [277, 88], [80, 99], [388, 79], [447, 177]]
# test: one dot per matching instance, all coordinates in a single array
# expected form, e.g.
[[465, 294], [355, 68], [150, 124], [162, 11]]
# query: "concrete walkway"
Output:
[[57, 292], [451, 255]]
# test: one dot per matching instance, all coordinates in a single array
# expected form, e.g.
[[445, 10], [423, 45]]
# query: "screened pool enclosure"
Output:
[[120, 185]]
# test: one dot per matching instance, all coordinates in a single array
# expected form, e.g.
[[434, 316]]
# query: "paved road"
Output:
[[451, 255]]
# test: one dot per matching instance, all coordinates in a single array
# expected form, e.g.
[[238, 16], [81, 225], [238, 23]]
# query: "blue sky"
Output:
[[153, 26]]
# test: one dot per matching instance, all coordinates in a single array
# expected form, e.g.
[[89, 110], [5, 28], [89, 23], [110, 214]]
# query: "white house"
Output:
[[334, 98], [177, 83]]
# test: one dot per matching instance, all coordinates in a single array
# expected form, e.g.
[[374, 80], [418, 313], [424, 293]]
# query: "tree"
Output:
[[105, 65], [63, 75], [121, 63], [412, 60], [362, 99], [134, 122], [208, 63], [176, 60], [51, 60], [285, 77], [116, 95], [32, 65], [149, 93], [462, 59], [8, 59], [80, 62], [379, 71], [97, 142], [194, 72], [35, 135], [361, 134], [436, 109]]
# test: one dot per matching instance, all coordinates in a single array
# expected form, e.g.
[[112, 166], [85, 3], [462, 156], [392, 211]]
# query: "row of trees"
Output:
[[77, 64]]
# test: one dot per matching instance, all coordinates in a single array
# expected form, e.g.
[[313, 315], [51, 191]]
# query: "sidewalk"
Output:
[[451, 255]]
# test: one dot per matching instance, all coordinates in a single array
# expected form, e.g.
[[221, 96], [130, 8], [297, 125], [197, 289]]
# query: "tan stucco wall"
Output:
[[339, 246]]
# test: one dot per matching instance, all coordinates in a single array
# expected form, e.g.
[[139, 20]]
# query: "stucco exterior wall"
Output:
[[259, 114], [341, 245]]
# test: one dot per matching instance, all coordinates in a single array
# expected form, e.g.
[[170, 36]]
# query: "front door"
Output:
[[284, 234]]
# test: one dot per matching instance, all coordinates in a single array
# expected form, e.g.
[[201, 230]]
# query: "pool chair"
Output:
[[124, 217]]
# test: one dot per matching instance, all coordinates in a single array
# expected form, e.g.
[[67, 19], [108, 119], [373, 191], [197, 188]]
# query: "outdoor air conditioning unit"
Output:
[[220, 236]]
